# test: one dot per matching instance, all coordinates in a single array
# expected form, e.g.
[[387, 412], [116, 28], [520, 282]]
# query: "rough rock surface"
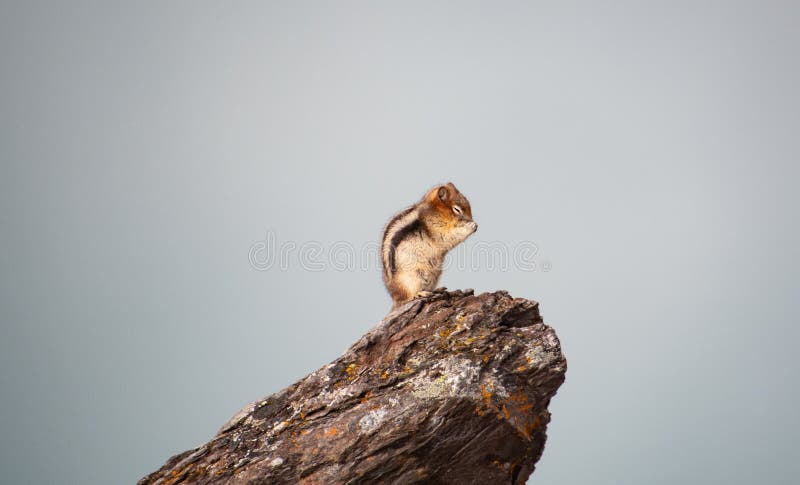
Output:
[[452, 388]]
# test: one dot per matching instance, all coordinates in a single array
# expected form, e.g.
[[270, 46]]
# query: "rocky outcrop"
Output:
[[452, 388]]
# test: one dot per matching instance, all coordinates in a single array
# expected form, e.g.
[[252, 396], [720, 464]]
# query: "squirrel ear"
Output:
[[444, 193]]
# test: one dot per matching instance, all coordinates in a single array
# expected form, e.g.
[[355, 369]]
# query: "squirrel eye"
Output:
[[457, 209]]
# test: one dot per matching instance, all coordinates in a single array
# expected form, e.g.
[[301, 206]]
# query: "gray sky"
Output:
[[649, 151]]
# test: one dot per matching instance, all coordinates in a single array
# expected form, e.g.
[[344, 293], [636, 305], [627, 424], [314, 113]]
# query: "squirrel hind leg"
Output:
[[398, 293], [398, 302]]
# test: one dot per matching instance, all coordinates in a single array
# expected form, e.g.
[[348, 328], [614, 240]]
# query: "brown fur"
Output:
[[416, 240]]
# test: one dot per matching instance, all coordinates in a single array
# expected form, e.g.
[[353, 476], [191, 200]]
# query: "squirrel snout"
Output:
[[473, 225]]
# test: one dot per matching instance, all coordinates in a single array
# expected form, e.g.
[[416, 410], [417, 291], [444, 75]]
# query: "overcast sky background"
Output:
[[648, 149]]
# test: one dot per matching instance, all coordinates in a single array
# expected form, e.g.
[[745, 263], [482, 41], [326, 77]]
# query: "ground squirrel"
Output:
[[416, 240]]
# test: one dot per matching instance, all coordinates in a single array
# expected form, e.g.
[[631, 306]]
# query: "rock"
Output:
[[452, 388]]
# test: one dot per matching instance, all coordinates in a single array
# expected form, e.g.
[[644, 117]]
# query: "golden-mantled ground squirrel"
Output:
[[416, 240]]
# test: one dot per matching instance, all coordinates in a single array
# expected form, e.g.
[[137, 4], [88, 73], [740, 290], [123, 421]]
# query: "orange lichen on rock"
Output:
[[517, 409], [350, 370], [487, 396]]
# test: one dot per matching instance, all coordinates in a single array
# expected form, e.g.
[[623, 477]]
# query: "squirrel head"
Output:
[[446, 203]]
